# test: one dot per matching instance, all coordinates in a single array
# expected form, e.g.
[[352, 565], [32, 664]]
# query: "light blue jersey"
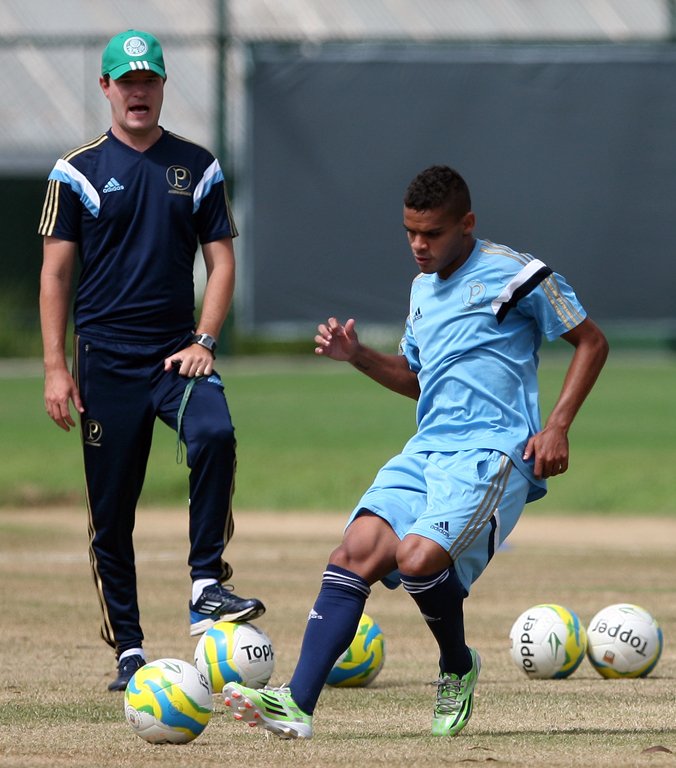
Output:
[[473, 341]]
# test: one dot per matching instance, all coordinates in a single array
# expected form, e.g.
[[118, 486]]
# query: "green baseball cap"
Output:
[[131, 51]]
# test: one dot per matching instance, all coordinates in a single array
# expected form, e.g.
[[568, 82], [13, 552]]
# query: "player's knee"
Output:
[[365, 562], [343, 557], [418, 556]]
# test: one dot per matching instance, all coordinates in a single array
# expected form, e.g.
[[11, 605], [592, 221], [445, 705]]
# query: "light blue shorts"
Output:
[[466, 501]]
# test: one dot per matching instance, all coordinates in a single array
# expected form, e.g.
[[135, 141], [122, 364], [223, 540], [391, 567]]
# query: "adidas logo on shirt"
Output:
[[113, 186]]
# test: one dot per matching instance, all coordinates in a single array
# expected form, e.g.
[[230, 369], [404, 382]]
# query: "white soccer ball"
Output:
[[548, 641], [232, 652], [168, 701], [624, 641]]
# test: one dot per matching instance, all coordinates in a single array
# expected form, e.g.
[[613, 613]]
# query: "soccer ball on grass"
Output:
[[548, 641], [624, 641], [168, 702], [232, 652], [362, 661]]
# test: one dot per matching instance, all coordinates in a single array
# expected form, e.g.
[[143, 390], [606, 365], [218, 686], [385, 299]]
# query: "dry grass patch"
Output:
[[55, 710]]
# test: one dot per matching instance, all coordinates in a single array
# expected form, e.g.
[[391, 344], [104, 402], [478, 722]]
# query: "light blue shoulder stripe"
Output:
[[66, 173], [212, 176]]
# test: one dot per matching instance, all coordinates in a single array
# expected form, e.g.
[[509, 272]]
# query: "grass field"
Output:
[[55, 710], [312, 433]]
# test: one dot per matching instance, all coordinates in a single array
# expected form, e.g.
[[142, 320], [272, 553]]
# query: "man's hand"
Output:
[[550, 446], [337, 341], [60, 390], [195, 360], [550, 449]]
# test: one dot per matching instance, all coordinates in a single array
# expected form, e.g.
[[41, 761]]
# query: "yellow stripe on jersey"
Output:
[[569, 316], [50, 209], [84, 147], [503, 250], [228, 206]]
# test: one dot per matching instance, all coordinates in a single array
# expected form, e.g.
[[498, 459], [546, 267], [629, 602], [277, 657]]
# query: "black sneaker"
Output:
[[125, 671], [218, 603]]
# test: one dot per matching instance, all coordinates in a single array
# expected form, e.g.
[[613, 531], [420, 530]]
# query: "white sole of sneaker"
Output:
[[200, 627]]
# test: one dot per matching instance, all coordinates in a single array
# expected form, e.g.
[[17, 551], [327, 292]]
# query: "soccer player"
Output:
[[131, 207], [437, 512]]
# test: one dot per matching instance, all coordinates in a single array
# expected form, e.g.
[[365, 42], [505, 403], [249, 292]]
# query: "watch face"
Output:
[[204, 340]]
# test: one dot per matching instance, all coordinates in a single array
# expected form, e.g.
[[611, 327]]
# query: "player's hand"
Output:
[[550, 450], [60, 390], [193, 361], [337, 341]]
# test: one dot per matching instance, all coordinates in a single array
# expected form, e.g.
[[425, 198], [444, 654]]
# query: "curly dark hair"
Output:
[[439, 187]]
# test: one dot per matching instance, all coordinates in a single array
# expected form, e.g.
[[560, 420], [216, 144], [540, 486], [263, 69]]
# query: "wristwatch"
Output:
[[206, 341]]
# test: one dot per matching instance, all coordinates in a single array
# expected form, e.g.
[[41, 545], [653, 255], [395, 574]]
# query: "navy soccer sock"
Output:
[[440, 597], [330, 629]]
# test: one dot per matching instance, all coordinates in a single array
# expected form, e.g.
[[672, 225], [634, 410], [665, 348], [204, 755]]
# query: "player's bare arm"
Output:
[[219, 258], [55, 287], [550, 446], [340, 342]]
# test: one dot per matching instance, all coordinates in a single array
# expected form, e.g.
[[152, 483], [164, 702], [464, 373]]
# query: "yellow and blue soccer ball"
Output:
[[548, 641], [362, 661], [624, 641], [232, 652], [168, 701]]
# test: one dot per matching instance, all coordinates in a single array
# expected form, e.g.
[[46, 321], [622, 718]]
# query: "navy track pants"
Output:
[[124, 389]]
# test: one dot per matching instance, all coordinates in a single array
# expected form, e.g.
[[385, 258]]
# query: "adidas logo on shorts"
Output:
[[113, 186], [442, 528]]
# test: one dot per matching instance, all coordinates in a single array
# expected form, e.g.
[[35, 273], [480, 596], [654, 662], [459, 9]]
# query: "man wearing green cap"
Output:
[[131, 207]]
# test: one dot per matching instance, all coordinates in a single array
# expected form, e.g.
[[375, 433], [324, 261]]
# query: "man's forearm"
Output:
[[390, 371]]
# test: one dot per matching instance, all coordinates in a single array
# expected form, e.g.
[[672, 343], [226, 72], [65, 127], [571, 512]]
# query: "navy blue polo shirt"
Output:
[[137, 218]]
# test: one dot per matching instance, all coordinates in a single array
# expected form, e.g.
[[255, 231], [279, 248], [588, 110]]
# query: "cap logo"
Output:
[[135, 46]]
